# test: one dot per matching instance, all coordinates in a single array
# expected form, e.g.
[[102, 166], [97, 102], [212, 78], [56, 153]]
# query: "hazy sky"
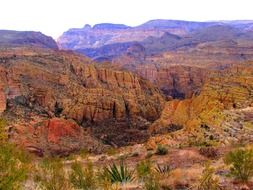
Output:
[[53, 17]]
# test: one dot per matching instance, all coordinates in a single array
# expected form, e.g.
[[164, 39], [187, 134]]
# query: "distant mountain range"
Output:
[[107, 41], [9, 38]]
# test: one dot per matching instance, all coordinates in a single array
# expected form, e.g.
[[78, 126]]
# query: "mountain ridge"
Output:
[[26, 38], [108, 33]]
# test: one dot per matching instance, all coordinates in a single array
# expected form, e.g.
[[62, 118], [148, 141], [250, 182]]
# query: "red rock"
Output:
[[59, 128], [54, 136]]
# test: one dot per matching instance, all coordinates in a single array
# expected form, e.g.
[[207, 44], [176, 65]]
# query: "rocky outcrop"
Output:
[[54, 136], [223, 94], [62, 84], [175, 81]]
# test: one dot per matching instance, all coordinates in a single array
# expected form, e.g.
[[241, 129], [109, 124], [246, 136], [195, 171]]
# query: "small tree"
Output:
[[241, 164]]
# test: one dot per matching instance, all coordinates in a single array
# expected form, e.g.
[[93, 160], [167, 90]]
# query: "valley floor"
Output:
[[187, 167]]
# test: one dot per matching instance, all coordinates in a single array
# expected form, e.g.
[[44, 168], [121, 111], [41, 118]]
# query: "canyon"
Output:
[[173, 93], [172, 77]]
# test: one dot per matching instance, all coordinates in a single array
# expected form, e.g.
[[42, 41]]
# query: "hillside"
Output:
[[9, 38], [168, 101], [43, 84]]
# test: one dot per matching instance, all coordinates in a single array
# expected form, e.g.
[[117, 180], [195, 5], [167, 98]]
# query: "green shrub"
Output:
[[104, 181], [144, 169], [83, 178], [3, 134], [208, 181], [13, 167], [151, 183], [161, 150], [146, 173], [241, 164], [50, 175], [14, 162], [119, 174]]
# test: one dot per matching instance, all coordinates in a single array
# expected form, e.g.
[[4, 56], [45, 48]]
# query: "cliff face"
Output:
[[177, 64], [46, 84], [223, 106], [175, 81], [182, 72], [66, 82]]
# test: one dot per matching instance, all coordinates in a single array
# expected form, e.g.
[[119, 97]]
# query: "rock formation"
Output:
[[223, 96], [54, 136], [50, 84], [175, 81]]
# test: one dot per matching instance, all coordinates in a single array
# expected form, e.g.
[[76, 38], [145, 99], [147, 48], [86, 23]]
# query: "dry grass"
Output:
[[182, 177]]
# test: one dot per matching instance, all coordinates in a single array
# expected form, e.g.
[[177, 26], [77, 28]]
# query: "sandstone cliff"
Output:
[[222, 111], [49, 84]]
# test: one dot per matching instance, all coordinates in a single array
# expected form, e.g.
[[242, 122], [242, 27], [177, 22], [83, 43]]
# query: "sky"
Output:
[[53, 17]]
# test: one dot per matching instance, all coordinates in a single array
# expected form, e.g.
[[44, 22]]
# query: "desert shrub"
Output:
[[144, 169], [161, 150], [199, 140], [83, 178], [208, 181], [162, 169], [119, 174], [104, 181], [14, 162], [241, 163], [3, 134], [209, 152], [50, 175], [13, 167], [84, 153], [151, 182]]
